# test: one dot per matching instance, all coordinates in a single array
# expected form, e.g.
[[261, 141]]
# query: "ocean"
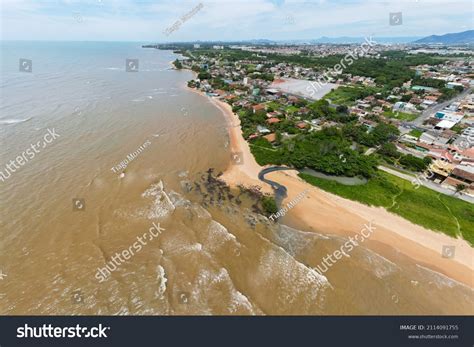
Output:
[[110, 157]]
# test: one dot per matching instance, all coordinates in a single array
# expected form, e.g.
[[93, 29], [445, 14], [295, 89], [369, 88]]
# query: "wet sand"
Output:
[[322, 211]]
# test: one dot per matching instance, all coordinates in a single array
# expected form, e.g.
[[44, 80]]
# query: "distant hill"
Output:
[[449, 39]]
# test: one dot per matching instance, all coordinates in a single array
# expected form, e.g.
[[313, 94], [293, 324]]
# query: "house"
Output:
[[363, 105], [404, 107], [229, 97], [272, 91], [416, 101], [292, 99], [301, 125], [441, 170], [452, 117], [274, 114], [258, 107], [262, 129], [461, 175], [434, 138], [431, 98], [270, 137], [451, 85], [253, 136], [273, 120], [445, 124], [408, 138]]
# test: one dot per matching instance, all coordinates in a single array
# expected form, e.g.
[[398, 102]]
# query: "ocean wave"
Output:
[[162, 204], [13, 121], [441, 280]]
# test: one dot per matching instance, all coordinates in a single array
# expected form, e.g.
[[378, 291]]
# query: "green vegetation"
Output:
[[203, 75], [379, 135], [264, 152], [177, 64], [448, 93], [269, 205], [416, 133], [347, 95], [400, 115], [413, 163], [409, 162], [326, 151], [421, 206]]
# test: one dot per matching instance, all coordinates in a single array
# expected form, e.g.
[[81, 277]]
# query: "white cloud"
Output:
[[228, 19]]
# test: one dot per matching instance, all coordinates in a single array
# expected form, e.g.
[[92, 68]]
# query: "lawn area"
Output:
[[274, 105], [415, 133], [421, 206], [264, 153], [291, 109], [346, 95], [400, 115]]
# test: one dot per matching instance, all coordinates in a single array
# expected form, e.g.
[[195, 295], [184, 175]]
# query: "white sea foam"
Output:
[[381, 266], [297, 283], [161, 278], [212, 283], [162, 204], [216, 236], [441, 280], [13, 121]]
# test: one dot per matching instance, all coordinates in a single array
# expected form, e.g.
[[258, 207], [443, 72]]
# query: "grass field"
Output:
[[416, 133], [264, 153], [346, 95], [400, 115], [421, 206]]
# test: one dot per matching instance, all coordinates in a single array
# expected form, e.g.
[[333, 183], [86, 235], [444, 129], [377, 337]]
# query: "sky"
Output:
[[227, 20]]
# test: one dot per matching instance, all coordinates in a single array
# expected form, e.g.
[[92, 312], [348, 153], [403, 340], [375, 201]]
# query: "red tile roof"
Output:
[[273, 120]]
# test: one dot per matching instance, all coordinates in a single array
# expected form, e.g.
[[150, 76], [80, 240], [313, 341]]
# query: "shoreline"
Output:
[[323, 211]]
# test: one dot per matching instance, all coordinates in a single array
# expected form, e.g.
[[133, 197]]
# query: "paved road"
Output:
[[432, 110], [427, 184]]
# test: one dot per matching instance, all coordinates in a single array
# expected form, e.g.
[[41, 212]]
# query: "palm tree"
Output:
[[459, 188]]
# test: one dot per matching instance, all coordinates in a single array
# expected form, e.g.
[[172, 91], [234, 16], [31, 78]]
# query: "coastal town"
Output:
[[264, 158], [384, 125], [417, 123]]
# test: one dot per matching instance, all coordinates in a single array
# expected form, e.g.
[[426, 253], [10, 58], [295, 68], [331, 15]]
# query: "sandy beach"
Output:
[[322, 211]]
